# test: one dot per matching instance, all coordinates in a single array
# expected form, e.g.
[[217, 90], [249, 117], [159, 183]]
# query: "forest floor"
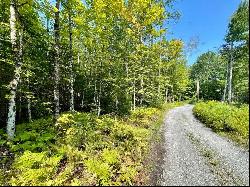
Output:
[[192, 154]]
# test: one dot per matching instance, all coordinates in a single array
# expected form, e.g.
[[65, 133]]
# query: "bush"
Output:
[[81, 149], [143, 117], [33, 169], [223, 117]]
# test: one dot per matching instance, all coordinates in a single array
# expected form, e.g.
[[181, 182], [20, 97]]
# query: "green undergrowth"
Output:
[[228, 120], [80, 149]]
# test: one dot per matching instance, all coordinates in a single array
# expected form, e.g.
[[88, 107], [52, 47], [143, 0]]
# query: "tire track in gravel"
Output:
[[196, 156]]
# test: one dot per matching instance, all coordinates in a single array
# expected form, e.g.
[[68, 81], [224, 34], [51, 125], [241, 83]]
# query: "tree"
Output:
[[238, 39], [56, 60], [208, 72], [101, 56], [17, 54]]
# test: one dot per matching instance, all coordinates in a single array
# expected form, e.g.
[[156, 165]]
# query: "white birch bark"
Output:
[[57, 59], [29, 110], [14, 83], [99, 99], [226, 84], [197, 89], [230, 75]]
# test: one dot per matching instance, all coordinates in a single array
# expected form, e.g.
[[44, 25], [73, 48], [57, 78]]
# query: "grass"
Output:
[[81, 149], [227, 120]]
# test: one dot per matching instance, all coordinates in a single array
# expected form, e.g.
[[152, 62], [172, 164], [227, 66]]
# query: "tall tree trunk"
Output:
[[230, 75], [134, 93], [226, 84], [159, 84], [166, 95], [20, 106], [13, 84], [198, 89], [20, 80], [20, 100], [142, 88], [159, 68], [29, 110], [57, 61], [71, 66], [29, 104], [99, 99]]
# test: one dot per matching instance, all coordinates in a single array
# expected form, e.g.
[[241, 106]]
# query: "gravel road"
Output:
[[196, 156]]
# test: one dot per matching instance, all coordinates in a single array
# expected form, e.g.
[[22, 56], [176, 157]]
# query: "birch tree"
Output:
[[17, 53], [56, 61]]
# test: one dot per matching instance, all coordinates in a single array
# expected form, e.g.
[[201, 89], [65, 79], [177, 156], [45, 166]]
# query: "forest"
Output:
[[81, 82]]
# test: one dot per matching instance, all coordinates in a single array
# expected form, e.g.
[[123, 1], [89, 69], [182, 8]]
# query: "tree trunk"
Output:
[[172, 93], [29, 110], [82, 99], [20, 106], [230, 75], [197, 89], [180, 98], [56, 63], [99, 99], [159, 84], [166, 95], [116, 103], [95, 94], [142, 94], [226, 84], [13, 84], [29, 104], [20, 101], [71, 66], [134, 93]]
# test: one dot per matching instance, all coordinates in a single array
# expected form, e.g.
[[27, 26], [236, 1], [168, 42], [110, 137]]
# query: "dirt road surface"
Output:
[[194, 155]]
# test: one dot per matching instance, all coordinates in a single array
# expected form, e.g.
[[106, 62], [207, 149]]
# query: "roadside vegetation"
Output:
[[82, 85], [230, 120], [81, 149]]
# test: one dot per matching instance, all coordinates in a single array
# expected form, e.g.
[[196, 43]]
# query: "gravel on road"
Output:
[[196, 156]]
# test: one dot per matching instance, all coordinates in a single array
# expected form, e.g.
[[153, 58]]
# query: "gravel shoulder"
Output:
[[196, 156]]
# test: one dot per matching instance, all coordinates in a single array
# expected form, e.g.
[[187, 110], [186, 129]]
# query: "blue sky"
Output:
[[205, 20]]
